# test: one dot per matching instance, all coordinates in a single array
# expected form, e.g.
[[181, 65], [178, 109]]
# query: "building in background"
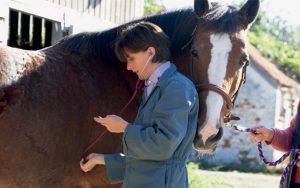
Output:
[[35, 24]]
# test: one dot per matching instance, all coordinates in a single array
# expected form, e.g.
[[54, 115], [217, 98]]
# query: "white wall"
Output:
[[116, 11], [3, 21]]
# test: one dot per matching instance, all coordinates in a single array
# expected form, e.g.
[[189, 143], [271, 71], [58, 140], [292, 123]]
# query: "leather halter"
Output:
[[219, 90]]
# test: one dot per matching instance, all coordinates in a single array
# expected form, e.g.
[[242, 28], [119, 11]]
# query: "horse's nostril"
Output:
[[207, 148], [219, 134]]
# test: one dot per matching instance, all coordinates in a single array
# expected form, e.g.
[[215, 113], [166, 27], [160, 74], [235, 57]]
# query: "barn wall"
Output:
[[115, 11], [3, 21], [72, 16]]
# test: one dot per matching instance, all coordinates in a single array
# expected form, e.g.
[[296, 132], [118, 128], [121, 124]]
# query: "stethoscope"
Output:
[[138, 85]]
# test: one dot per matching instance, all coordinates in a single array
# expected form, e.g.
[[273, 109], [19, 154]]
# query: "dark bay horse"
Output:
[[48, 98]]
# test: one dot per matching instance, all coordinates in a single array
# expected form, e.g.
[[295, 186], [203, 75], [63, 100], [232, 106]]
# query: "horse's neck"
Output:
[[178, 25], [182, 61]]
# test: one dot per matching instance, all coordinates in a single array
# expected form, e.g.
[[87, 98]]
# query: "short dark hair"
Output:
[[139, 37]]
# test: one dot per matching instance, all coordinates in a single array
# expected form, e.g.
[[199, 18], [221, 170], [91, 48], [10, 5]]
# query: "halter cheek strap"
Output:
[[211, 87]]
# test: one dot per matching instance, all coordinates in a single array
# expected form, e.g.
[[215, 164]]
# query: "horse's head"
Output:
[[218, 64]]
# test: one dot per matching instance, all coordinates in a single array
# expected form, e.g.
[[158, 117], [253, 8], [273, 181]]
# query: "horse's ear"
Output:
[[201, 6], [249, 12]]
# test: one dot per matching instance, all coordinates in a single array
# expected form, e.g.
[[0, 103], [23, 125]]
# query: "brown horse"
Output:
[[48, 98]]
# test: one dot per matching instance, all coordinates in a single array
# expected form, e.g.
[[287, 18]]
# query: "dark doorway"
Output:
[[28, 31]]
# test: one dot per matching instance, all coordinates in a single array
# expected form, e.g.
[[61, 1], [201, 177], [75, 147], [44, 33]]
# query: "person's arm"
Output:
[[282, 139], [169, 125], [92, 160], [114, 163], [115, 166]]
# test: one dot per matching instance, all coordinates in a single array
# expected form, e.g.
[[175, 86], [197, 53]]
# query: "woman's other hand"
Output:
[[262, 134], [93, 159]]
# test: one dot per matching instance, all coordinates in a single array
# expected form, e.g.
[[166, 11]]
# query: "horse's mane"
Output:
[[178, 25], [223, 19]]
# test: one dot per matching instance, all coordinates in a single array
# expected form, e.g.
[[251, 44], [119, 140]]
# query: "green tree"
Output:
[[297, 38], [153, 7], [278, 42]]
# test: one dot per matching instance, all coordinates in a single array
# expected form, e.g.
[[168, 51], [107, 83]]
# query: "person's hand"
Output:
[[298, 164], [93, 159], [262, 134], [113, 123]]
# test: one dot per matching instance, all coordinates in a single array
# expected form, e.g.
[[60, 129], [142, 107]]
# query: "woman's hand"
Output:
[[113, 123], [262, 134], [93, 159], [298, 164]]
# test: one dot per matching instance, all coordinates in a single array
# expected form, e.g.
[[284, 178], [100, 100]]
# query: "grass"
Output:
[[234, 179]]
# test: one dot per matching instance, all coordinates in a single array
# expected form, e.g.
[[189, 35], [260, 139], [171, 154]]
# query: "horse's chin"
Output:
[[210, 145], [199, 147]]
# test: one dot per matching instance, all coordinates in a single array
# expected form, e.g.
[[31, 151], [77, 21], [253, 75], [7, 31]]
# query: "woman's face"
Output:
[[139, 63]]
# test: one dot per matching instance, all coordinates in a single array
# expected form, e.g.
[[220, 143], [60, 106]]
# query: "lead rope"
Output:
[[139, 84], [262, 157]]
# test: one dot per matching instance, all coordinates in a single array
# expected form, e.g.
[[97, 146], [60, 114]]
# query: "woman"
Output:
[[157, 144], [284, 140]]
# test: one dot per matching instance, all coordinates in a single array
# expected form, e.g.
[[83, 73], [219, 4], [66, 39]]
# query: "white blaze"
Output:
[[221, 46]]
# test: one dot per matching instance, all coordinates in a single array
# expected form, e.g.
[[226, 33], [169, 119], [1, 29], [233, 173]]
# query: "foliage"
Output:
[[208, 179], [297, 38], [278, 42], [153, 7]]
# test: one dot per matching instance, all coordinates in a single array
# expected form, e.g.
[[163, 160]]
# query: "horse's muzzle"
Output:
[[211, 143]]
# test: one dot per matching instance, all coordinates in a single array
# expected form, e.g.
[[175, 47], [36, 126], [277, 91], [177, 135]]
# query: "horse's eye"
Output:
[[194, 53]]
